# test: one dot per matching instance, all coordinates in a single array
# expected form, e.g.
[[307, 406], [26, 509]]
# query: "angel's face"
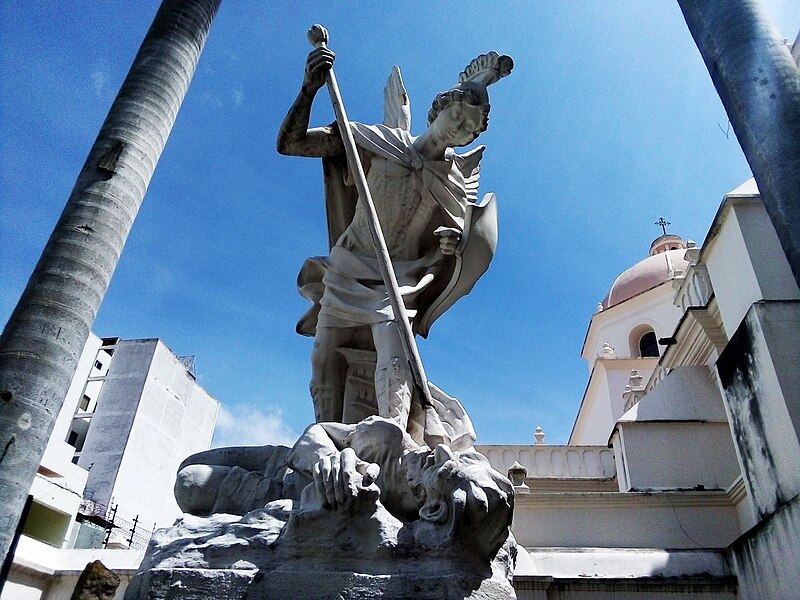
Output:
[[458, 124]]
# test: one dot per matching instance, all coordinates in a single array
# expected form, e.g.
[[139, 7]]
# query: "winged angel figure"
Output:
[[440, 239]]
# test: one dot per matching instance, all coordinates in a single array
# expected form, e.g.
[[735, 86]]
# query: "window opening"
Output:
[[648, 345]]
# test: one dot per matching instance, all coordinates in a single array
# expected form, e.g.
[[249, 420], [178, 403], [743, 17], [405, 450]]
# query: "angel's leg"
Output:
[[328, 373], [394, 383]]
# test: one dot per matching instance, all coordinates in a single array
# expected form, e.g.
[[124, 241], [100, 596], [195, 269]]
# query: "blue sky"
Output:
[[608, 122]]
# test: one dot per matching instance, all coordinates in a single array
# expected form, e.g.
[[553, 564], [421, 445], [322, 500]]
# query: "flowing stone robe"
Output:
[[413, 197]]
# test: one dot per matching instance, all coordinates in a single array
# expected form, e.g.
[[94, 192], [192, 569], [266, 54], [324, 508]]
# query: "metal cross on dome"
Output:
[[663, 224]]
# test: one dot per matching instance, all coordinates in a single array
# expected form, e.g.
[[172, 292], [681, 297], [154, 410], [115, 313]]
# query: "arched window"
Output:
[[648, 344]]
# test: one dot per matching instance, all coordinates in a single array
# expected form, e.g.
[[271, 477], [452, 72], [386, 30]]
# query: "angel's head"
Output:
[[459, 115], [465, 108]]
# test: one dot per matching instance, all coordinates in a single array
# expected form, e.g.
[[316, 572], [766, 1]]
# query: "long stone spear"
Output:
[[434, 430]]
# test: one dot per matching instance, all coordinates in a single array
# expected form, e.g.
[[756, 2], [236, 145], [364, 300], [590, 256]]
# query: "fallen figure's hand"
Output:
[[338, 477]]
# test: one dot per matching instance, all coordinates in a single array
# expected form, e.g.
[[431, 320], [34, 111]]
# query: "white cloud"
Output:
[[99, 81], [238, 95], [240, 425]]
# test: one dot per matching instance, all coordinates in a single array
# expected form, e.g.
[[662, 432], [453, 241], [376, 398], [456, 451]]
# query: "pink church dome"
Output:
[[665, 260]]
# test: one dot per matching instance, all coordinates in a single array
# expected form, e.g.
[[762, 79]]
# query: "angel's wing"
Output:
[[469, 164], [396, 105]]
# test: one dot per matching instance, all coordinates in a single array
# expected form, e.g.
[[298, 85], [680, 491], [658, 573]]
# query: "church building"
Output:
[[682, 472]]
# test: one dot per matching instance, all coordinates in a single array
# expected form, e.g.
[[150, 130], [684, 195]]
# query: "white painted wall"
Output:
[[764, 399], [41, 572], [677, 436], [766, 559], [151, 415], [74, 395], [602, 403], [625, 520], [616, 563], [111, 423], [745, 260], [678, 455], [175, 419], [614, 325]]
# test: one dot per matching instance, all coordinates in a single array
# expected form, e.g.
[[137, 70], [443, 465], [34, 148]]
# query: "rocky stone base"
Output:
[[339, 540], [276, 554], [197, 584]]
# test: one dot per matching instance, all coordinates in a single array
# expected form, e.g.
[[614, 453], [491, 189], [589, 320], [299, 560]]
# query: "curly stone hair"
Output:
[[459, 95]]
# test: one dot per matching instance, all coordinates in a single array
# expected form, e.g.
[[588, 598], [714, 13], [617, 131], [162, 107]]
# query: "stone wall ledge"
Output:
[[657, 498], [539, 588]]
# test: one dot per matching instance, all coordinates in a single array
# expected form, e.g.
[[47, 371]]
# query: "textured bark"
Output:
[[41, 344], [759, 84]]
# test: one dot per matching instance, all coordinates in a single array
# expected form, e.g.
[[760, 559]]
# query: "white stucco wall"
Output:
[[759, 372], [603, 403], [74, 394], [653, 308], [595, 416], [678, 455], [745, 260], [111, 423], [766, 560], [175, 418], [625, 520], [677, 436], [626, 563]]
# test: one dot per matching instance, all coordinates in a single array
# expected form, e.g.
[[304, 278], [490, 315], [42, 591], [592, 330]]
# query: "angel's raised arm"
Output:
[[294, 137]]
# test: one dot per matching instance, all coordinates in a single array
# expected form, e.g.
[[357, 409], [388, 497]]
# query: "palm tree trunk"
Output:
[[41, 344], [759, 84]]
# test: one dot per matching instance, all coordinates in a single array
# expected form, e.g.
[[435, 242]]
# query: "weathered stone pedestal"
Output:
[[356, 552], [229, 584]]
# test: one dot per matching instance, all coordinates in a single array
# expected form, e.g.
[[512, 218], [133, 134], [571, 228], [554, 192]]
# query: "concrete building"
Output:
[[133, 412], [682, 472]]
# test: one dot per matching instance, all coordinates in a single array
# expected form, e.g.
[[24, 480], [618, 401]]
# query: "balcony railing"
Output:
[[554, 462], [118, 530]]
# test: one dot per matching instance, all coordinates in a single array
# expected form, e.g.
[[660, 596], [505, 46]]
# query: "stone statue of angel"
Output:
[[439, 238]]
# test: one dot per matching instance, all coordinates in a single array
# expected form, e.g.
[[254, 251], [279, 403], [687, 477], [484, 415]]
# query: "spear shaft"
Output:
[[434, 430]]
